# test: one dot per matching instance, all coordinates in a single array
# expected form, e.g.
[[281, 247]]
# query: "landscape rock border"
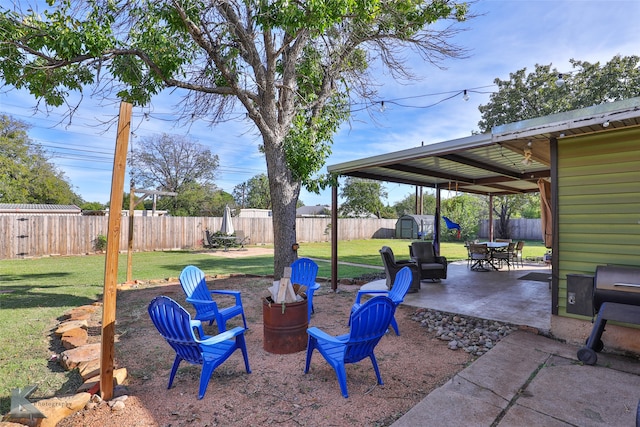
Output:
[[471, 334], [80, 354]]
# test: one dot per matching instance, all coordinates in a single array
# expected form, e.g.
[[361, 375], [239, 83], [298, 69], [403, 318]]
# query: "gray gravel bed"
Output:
[[470, 334]]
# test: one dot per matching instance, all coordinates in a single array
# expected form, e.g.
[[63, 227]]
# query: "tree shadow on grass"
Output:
[[17, 297], [258, 265], [29, 276]]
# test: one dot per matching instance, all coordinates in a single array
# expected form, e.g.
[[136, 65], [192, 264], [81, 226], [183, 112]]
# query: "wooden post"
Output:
[[491, 217], [130, 241], [113, 246], [132, 206], [334, 238], [436, 222]]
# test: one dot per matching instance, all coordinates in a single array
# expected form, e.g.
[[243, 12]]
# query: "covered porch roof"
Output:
[[492, 163]]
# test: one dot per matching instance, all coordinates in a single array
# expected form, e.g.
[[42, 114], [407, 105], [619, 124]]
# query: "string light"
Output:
[[527, 154], [465, 96], [356, 107], [560, 81]]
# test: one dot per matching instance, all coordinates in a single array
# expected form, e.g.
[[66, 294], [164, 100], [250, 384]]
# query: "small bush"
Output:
[[100, 243]]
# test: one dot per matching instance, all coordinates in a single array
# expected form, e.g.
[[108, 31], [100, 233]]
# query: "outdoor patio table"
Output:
[[493, 247]]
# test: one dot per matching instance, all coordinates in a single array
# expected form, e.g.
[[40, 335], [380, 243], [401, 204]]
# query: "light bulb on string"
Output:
[[382, 107], [560, 81], [526, 160], [465, 95]]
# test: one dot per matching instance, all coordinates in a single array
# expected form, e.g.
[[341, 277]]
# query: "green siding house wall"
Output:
[[598, 204]]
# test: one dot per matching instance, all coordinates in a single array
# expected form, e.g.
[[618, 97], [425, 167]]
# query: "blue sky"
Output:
[[505, 37]]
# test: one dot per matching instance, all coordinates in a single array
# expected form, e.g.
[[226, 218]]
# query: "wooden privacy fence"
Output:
[[44, 235], [520, 229]]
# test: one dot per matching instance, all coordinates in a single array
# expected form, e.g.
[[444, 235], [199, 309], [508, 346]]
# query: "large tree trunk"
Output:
[[504, 215], [284, 198]]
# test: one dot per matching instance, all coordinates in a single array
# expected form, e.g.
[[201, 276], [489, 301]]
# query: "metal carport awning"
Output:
[[489, 164], [474, 165]]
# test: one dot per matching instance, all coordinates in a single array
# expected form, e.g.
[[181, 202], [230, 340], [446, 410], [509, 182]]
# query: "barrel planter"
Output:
[[285, 326]]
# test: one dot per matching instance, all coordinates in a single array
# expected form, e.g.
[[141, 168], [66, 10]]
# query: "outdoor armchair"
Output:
[[396, 294], [393, 266], [507, 256], [480, 258], [304, 272], [174, 323], [201, 297], [430, 266], [368, 324], [241, 238], [518, 253]]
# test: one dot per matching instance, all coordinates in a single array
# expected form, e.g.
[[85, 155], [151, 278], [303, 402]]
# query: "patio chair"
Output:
[[200, 296], [392, 266], [396, 294], [467, 245], [479, 257], [430, 266], [304, 272], [518, 252], [210, 240], [176, 327], [368, 324], [506, 256], [241, 239]]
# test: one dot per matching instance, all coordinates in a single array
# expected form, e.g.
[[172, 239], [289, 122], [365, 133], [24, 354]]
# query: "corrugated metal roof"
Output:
[[492, 163], [417, 218], [25, 208]]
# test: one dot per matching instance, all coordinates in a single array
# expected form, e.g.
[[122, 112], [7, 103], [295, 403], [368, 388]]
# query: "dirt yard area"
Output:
[[277, 392]]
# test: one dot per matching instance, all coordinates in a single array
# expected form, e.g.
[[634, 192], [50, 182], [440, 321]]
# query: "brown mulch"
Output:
[[277, 392]]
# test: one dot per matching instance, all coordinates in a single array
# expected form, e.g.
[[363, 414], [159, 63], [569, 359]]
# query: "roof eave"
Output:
[[568, 121], [453, 145]]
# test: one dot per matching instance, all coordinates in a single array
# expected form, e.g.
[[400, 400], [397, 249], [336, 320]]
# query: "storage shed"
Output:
[[414, 226]]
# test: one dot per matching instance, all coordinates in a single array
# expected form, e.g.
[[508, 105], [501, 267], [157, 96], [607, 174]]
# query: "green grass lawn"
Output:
[[366, 251], [36, 292]]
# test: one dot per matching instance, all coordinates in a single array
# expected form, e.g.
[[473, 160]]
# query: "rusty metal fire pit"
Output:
[[285, 326]]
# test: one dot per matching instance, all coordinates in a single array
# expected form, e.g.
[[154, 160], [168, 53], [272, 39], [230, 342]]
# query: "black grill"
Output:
[[616, 296]]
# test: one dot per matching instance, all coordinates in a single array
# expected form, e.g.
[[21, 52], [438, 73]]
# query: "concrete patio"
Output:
[[495, 295]]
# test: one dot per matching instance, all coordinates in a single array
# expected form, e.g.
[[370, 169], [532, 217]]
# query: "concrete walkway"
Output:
[[529, 380]]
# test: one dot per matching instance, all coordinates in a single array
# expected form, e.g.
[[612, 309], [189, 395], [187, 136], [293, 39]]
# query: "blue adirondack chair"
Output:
[[368, 324], [195, 287], [175, 325], [396, 294], [304, 272]]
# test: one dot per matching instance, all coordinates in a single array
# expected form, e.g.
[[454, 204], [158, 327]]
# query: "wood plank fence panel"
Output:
[[521, 229], [44, 235]]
